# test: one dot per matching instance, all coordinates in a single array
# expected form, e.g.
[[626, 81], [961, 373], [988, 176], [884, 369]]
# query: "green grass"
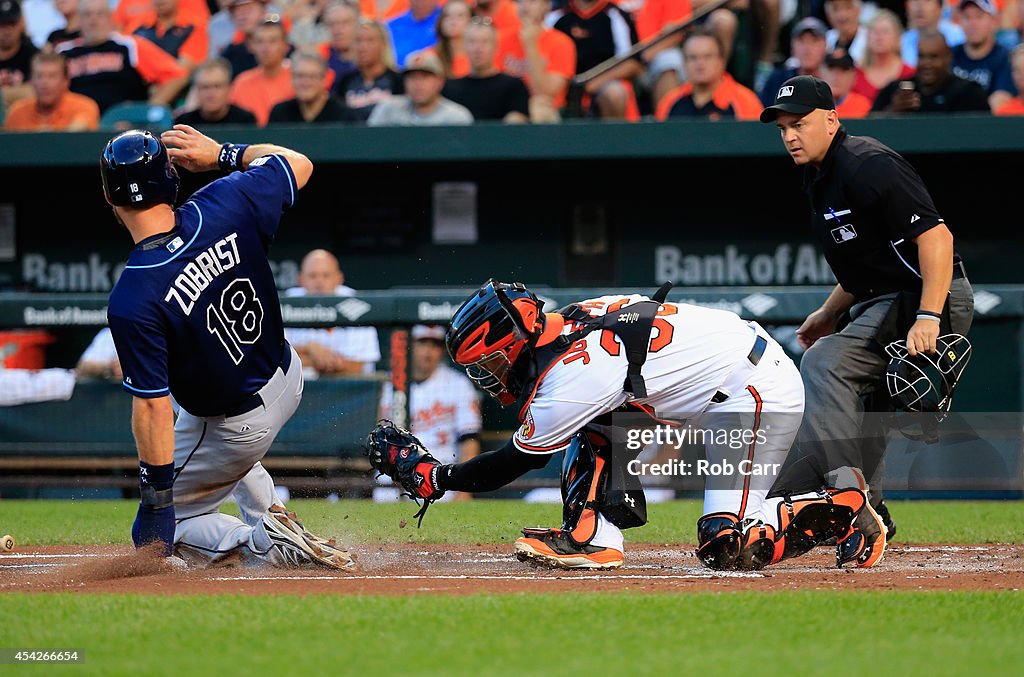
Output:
[[490, 521], [793, 633]]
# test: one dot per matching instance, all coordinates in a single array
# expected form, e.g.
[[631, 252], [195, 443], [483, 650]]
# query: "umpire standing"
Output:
[[899, 277]]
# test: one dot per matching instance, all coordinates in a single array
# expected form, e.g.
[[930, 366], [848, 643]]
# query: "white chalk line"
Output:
[[468, 577], [29, 566]]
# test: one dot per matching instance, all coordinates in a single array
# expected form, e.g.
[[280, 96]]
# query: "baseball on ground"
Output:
[[6, 543]]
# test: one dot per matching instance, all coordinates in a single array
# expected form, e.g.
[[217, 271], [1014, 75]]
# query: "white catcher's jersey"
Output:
[[692, 352], [444, 408]]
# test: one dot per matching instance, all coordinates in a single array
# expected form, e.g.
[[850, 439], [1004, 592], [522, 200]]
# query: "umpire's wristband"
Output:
[[230, 158]]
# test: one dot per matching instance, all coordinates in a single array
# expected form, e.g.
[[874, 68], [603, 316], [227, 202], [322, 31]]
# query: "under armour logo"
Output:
[[785, 91], [629, 499]]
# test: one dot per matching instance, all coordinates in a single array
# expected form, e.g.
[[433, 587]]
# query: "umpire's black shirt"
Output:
[[867, 206]]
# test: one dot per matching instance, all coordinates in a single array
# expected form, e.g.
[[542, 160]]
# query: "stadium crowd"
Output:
[[80, 64]]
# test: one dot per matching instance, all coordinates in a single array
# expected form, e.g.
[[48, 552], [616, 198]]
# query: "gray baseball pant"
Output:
[[217, 456], [839, 371]]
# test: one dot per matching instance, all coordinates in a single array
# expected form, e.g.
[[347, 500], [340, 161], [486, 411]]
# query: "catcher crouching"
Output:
[[568, 372]]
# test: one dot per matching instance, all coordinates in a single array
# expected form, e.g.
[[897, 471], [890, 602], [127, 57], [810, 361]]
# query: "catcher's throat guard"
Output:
[[925, 383]]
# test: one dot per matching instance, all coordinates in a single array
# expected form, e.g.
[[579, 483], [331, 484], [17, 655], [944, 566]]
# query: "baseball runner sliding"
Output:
[[195, 316]]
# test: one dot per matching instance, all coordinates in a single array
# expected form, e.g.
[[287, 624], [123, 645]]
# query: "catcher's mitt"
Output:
[[397, 453]]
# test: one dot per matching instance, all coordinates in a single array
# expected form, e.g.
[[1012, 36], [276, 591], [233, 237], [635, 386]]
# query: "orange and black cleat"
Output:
[[810, 520], [554, 548], [865, 544]]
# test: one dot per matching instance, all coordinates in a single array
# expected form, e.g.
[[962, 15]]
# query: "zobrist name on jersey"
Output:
[[198, 273]]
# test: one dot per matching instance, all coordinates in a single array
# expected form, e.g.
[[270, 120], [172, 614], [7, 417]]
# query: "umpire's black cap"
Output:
[[800, 95]]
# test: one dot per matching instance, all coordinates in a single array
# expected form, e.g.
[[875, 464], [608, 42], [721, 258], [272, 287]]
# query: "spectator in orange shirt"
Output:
[[1015, 106], [52, 107], [544, 58], [259, 89], [840, 73], [451, 25], [130, 14], [110, 68], [709, 92], [179, 36]]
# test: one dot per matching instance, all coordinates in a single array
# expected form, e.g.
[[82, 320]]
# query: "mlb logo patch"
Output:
[[843, 233], [175, 244], [785, 91]]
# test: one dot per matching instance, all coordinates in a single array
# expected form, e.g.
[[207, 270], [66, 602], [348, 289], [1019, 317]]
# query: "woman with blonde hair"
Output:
[[451, 24], [882, 60], [375, 77]]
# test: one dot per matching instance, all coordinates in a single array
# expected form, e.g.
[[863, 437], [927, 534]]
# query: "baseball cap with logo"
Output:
[[10, 11], [986, 6], [812, 24], [425, 61], [800, 95]]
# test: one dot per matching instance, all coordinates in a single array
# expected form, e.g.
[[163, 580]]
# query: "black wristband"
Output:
[[230, 158], [930, 314]]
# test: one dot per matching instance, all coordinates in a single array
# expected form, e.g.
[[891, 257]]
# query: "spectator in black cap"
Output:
[[807, 46], [16, 52], [898, 278], [934, 88]]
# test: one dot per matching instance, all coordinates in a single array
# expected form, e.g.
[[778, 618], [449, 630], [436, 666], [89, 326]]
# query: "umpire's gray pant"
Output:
[[217, 456], [841, 370]]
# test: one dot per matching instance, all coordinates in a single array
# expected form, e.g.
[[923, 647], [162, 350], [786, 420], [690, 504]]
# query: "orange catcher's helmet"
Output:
[[490, 331]]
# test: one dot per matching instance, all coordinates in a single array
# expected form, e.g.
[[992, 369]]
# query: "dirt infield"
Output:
[[463, 569]]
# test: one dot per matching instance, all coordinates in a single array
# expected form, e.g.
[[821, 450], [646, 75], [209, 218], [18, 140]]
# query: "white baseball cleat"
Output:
[[298, 547]]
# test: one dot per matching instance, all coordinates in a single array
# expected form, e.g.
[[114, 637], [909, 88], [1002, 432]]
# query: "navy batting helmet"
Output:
[[137, 171]]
